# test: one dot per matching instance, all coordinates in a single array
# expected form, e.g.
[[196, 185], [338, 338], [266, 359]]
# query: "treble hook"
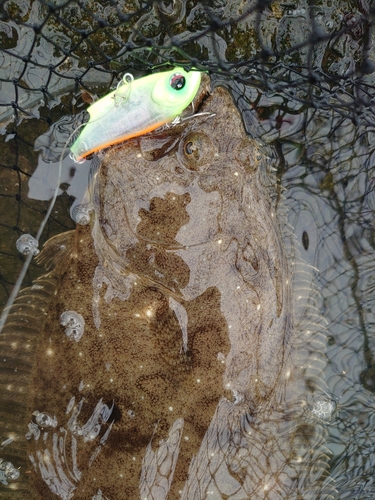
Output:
[[125, 82]]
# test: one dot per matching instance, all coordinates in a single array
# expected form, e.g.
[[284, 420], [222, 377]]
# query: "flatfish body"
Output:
[[168, 355]]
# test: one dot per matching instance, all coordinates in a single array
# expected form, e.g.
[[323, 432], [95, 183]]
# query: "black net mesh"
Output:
[[303, 75], [290, 57]]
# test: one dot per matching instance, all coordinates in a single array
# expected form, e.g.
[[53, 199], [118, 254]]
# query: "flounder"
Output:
[[159, 357]]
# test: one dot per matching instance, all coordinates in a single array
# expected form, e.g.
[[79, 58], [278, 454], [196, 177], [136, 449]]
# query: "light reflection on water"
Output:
[[324, 194], [329, 194], [326, 165]]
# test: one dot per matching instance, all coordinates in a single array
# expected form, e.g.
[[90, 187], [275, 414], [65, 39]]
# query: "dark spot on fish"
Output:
[[330, 340], [164, 218], [72, 172], [116, 414], [303, 440], [156, 146], [305, 240], [155, 386], [250, 256]]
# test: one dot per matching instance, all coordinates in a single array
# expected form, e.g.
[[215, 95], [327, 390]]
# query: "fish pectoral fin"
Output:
[[55, 250]]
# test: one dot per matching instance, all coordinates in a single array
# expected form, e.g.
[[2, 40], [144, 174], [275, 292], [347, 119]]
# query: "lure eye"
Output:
[[177, 81]]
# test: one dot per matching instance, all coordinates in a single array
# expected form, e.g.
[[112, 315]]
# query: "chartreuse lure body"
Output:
[[135, 108]]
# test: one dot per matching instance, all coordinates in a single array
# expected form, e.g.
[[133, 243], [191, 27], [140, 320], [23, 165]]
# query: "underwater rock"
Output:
[[202, 346]]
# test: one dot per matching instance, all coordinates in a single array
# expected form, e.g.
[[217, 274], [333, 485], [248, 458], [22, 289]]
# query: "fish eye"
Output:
[[177, 81], [189, 148], [196, 150]]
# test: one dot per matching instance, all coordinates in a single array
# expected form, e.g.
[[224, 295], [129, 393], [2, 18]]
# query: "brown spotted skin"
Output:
[[183, 285], [136, 363]]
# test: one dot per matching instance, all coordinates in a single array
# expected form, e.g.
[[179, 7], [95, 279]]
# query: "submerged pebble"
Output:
[[74, 323]]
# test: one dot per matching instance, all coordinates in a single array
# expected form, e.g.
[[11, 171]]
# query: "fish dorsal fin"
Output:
[[18, 342]]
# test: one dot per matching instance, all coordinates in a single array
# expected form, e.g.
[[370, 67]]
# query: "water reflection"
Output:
[[328, 176], [191, 314], [325, 164], [327, 170]]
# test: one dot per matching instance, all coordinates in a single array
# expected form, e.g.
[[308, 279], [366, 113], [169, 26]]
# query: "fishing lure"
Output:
[[135, 108]]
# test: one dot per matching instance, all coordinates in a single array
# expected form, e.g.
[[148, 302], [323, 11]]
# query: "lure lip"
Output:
[[159, 101]]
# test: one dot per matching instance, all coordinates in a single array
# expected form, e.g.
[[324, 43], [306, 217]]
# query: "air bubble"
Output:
[[27, 244], [82, 214], [74, 323], [45, 420], [323, 409], [8, 472]]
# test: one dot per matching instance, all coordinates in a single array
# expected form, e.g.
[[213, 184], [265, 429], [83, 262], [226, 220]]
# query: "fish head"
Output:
[[180, 185]]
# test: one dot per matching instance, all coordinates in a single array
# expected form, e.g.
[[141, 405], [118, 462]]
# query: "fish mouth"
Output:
[[204, 92]]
